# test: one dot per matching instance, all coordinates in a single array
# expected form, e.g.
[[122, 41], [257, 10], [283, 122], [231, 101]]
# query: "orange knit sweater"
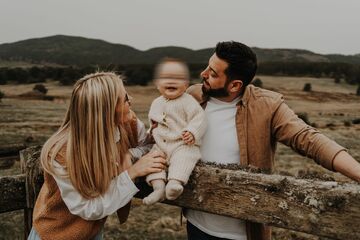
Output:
[[53, 220]]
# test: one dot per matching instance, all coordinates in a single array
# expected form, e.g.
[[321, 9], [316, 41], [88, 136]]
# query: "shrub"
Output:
[[347, 123], [304, 117], [1, 95], [307, 87], [314, 124], [257, 82], [41, 88], [356, 121], [358, 91]]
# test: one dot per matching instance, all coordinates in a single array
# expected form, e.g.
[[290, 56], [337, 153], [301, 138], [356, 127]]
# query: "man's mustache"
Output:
[[204, 80]]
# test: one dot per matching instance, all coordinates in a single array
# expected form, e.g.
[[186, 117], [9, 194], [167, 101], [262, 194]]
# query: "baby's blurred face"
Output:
[[172, 80]]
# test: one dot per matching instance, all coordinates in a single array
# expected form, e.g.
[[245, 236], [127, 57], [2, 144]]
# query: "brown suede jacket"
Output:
[[262, 120]]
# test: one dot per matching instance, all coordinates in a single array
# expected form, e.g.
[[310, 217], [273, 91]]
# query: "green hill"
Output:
[[80, 51]]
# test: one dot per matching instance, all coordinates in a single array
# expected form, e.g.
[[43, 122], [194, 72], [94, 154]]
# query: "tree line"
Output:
[[142, 74]]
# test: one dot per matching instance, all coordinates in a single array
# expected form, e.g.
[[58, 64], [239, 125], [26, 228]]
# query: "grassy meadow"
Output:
[[330, 107]]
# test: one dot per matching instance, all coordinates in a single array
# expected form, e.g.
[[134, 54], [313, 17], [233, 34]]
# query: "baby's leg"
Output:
[[158, 194], [182, 163]]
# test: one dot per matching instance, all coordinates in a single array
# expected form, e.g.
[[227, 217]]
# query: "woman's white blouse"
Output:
[[121, 190]]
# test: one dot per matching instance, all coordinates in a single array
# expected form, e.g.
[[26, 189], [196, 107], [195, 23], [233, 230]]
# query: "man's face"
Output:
[[214, 78]]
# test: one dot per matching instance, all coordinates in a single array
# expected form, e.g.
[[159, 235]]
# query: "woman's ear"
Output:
[[236, 86]]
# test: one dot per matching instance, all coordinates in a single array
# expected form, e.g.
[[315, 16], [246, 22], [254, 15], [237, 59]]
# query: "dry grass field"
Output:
[[331, 107]]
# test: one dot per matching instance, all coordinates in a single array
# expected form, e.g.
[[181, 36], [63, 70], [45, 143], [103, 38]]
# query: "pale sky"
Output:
[[321, 26]]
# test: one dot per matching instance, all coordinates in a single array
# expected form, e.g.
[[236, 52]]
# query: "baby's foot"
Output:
[[158, 194], [174, 189], [154, 197]]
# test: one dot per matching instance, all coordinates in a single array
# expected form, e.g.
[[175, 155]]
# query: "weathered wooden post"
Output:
[[30, 166], [322, 208], [10, 153]]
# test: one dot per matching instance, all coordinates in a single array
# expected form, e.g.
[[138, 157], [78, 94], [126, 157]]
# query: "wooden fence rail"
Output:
[[323, 208]]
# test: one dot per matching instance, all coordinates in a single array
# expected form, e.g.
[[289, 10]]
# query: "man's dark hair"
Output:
[[241, 61]]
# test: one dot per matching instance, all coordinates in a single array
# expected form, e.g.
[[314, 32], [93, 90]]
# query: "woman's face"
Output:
[[122, 110]]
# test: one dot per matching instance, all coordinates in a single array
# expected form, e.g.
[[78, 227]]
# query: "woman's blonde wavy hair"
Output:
[[92, 156]]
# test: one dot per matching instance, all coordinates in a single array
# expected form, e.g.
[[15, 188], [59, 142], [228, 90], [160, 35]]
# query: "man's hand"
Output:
[[347, 165], [188, 138]]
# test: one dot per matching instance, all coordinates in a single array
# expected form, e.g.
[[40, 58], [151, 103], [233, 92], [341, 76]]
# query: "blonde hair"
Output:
[[92, 156]]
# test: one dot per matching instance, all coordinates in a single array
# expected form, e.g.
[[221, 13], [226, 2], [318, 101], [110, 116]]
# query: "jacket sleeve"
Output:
[[144, 144], [119, 193], [290, 130]]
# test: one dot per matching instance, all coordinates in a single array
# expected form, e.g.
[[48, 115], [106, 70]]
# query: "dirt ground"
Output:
[[330, 107]]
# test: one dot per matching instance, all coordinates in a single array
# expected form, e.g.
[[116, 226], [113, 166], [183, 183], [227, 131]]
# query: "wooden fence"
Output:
[[322, 208]]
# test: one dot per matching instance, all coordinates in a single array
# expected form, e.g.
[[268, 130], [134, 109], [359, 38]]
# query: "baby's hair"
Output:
[[172, 60]]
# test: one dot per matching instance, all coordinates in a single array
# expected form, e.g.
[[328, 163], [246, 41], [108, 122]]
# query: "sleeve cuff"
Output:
[[126, 180], [328, 157]]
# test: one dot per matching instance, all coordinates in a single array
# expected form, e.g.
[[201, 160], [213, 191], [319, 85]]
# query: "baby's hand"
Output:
[[188, 138]]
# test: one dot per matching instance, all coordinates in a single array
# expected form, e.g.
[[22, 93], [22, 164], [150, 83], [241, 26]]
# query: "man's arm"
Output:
[[290, 130]]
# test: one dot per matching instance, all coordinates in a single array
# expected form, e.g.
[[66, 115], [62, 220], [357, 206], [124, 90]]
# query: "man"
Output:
[[244, 124]]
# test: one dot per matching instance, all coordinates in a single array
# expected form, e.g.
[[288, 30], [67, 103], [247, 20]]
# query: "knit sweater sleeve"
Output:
[[196, 119], [144, 145], [120, 192]]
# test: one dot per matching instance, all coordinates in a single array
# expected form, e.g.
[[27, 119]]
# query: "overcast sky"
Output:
[[322, 26]]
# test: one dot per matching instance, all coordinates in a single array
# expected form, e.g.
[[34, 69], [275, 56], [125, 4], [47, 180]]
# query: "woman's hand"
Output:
[[152, 162]]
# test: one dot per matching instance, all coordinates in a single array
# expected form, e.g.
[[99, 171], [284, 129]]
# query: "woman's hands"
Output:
[[152, 162]]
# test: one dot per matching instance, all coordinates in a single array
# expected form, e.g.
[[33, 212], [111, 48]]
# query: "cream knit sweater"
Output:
[[174, 117]]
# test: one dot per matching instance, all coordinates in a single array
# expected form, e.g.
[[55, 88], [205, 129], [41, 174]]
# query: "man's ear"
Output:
[[236, 85]]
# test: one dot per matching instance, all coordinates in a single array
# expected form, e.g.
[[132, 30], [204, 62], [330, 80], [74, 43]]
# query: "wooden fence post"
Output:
[[30, 166]]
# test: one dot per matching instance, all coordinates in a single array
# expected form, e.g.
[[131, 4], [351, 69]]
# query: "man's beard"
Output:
[[214, 92]]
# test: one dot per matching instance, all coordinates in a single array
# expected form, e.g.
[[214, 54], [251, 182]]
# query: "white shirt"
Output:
[[121, 189], [220, 145]]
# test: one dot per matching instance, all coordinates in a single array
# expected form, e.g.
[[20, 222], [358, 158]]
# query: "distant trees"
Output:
[[358, 90], [1, 95], [142, 74]]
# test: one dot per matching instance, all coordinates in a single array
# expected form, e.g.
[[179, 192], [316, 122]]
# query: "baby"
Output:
[[178, 124]]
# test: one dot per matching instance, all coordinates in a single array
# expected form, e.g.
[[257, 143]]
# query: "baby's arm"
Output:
[[196, 127]]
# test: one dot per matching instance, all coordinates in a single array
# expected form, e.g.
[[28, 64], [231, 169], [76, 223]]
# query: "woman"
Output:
[[87, 169]]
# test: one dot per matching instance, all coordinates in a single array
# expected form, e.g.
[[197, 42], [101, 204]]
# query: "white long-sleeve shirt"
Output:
[[121, 189]]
